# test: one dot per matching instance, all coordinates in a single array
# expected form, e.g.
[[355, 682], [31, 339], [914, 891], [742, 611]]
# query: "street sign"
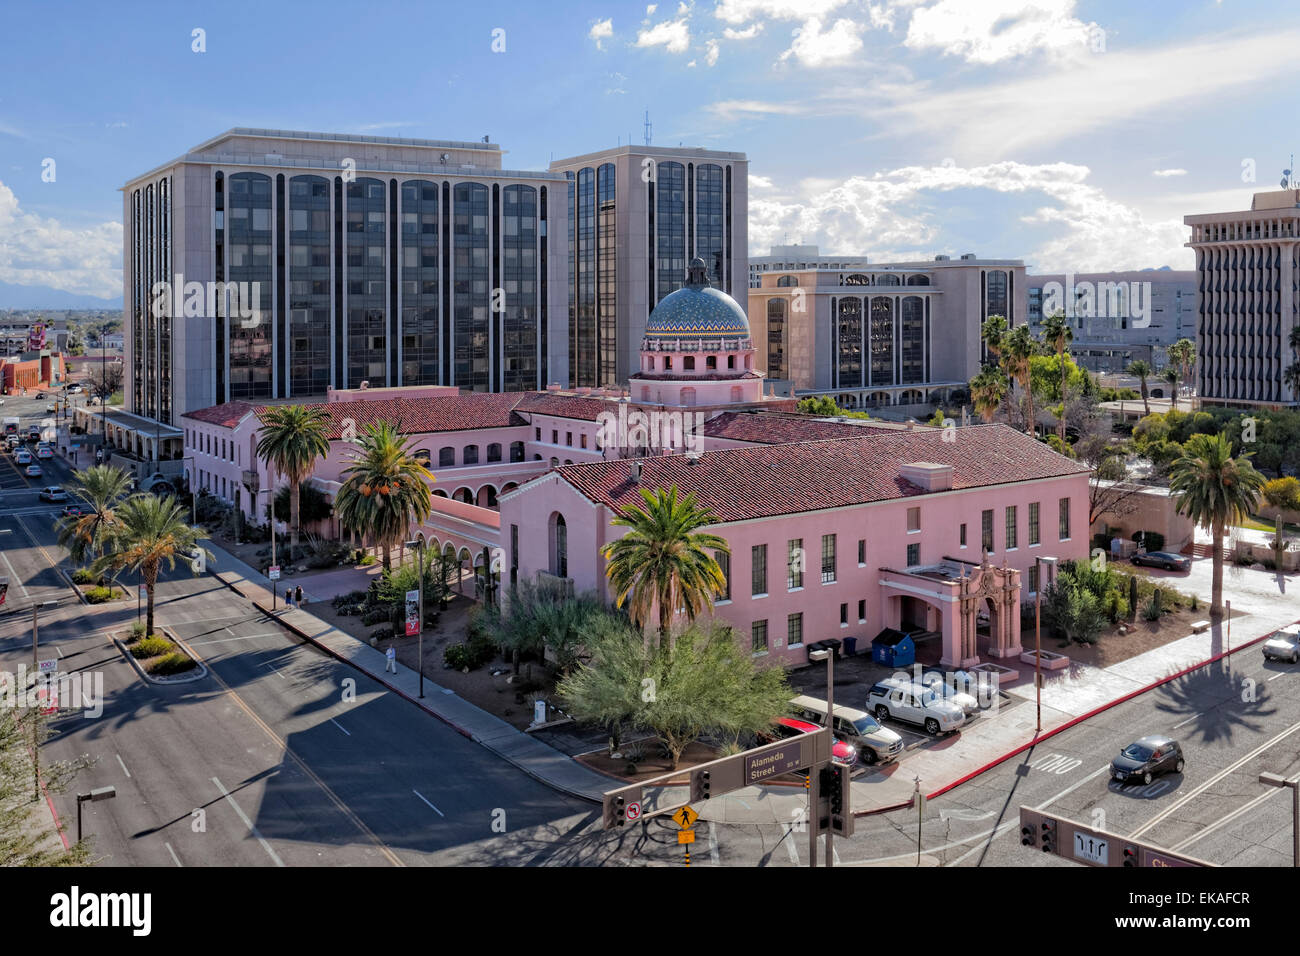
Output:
[[412, 613], [48, 667], [633, 810], [685, 836], [144, 592], [274, 572], [686, 817], [1091, 849]]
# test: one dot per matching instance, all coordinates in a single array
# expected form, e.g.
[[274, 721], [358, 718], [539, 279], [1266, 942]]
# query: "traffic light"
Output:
[[615, 810], [700, 785], [1048, 829], [833, 782], [1130, 856], [1028, 835]]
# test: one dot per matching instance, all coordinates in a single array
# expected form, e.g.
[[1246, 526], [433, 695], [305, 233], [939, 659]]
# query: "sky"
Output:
[[1072, 135]]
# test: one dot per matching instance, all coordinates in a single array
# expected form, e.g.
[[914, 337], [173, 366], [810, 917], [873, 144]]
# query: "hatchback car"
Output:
[[72, 511], [1163, 559], [23, 457], [844, 754], [1283, 645], [1147, 758], [34, 471], [53, 493], [44, 451]]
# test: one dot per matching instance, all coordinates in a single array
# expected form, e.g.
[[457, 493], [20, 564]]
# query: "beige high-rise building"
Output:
[[1248, 266]]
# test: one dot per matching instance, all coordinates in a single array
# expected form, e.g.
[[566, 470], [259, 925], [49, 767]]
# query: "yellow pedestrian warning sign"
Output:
[[685, 836], [685, 817]]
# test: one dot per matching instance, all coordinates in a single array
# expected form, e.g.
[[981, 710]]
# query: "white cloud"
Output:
[[995, 30], [40, 251], [815, 48], [601, 30], [683, 9], [742, 11], [1093, 232], [392, 124], [712, 56], [751, 31], [728, 110], [1168, 172], [759, 182], [650, 10], [674, 35]]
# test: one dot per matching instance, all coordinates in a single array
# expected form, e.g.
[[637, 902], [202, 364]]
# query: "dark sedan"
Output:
[[1163, 559], [1147, 758]]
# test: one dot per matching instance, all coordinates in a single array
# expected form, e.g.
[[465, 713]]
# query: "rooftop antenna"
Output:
[[648, 127], [1288, 181]]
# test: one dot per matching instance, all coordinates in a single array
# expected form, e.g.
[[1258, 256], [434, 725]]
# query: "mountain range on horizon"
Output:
[[44, 297]]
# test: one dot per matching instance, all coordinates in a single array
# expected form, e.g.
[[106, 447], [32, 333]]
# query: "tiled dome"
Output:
[[697, 311]]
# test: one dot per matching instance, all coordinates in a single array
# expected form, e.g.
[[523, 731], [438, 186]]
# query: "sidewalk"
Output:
[[1069, 696]]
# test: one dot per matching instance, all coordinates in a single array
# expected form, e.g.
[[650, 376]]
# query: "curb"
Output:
[[202, 670], [1070, 723]]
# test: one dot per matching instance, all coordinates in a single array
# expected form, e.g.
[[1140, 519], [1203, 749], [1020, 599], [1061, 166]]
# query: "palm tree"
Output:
[[1058, 335], [1142, 369], [293, 437], [993, 331], [101, 488], [1170, 375], [665, 562], [385, 490], [146, 531], [987, 390], [1215, 490], [1183, 353], [1018, 347]]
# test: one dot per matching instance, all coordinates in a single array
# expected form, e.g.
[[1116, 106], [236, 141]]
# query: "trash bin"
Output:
[[835, 646], [850, 646]]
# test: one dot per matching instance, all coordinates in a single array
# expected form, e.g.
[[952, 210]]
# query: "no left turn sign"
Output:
[[633, 810]]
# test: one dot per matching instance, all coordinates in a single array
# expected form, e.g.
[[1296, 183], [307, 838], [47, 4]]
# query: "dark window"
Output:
[[794, 564], [986, 530], [913, 555], [862, 610], [862, 551], [516, 451], [1011, 526], [494, 452], [794, 630], [828, 559], [1063, 508], [1033, 522], [724, 563], [471, 455], [844, 614], [446, 457], [758, 573], [758, 636]]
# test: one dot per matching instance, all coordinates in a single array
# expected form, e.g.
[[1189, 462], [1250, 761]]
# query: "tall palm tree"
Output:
[[293, 437], [665, 562], [1183, 354], [385, 490], [1214, 490], [993, 331], [101, 488], [1170, 376], [1142, 369], [146, 531], [987, 391], [1057, 335], [1018, 347]]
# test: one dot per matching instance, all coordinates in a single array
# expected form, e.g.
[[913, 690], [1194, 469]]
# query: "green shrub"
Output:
[[368, 560], [98, 595], [1283, 493], [137, 631], [381, 634], [377, 616], [458, 656], [82, 576], [1151, 610], [151, 647], [176, 662]]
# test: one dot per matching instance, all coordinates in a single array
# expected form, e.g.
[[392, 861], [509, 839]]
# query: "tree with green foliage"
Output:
[[313, 505], [1058, 335], [988, 390], [1170, 377], [1283, 493], [385, 488], [665, 562], [1183, 355], [1142, 369], [148, 531], [824, 406], [100, 489], [536, 618], [701, 683], [1072, 605], [293, 437], [1018, 348], [23, 821], [1215, 490]]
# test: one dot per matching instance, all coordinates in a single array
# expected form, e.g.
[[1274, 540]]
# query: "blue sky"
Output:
[[1073, 135]]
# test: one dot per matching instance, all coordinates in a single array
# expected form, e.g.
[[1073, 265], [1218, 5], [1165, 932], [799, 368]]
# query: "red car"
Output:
[[844, 754]]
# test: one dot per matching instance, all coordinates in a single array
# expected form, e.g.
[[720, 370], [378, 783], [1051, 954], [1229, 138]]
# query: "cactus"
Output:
[[1133, 595], [1156, 599]]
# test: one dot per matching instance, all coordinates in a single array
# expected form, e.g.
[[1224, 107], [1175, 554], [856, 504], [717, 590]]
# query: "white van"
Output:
[[876, 744]]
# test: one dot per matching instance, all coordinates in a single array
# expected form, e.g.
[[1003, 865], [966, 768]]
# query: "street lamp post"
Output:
[[101, 793], [1277, 780], [419, 544], [1039, 560], [829, 656]]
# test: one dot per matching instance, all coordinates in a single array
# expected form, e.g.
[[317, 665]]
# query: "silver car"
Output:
[[951, 690], [914, 704], [1284, 645]]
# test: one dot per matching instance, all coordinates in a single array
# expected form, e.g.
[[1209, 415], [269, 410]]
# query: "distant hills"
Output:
[[43, 297]]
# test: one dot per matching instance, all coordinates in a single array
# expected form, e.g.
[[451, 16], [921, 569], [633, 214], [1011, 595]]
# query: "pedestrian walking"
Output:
[[390, 657], [298, 597], [288, 597]]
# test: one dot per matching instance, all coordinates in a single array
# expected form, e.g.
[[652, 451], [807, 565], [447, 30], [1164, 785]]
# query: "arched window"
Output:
[[887, 279], [688, 396], [731, 361], [688, 363], [516, 451], [555, 462], [559, 546], [446, 457], [650, 363], [668, 363], [494, 452], [471, 455], [711, 362], [918, 280], [786, 282], [422, 455]]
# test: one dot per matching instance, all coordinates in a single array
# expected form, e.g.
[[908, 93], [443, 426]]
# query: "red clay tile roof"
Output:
[[742, 483], [227, 416], [767, 428], [578, 407]]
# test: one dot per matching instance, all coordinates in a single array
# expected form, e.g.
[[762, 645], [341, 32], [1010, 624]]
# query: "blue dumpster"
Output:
[[893, 648]]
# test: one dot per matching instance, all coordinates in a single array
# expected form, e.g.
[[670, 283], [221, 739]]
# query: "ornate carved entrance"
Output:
[[997, 588]]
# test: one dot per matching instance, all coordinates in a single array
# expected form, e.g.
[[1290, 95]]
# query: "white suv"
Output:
[[914, 704]]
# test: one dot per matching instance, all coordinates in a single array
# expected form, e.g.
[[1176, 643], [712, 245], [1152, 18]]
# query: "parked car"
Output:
[[914, 704], [1163, 559], [34, 471], [72, 511], [53, 493], [51, 407], [844, 754], [23, 457], [876, 744], [44, 451], [952, 688], [1146, 758], [1283, 645]]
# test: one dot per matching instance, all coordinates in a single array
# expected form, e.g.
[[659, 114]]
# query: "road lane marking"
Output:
[[248, 823], [1224, 821], [175, 858], [790, 848], [340, 726], [227, 640], [273, 668], [1276, 676], [123, 766], [13, 575], [431, 806], [1187, 721], [1231, 768], [713, 843], [58, 650]]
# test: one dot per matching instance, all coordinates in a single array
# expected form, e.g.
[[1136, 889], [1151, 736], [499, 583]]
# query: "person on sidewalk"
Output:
[[390, 660], [288, 597], [298, 596]]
